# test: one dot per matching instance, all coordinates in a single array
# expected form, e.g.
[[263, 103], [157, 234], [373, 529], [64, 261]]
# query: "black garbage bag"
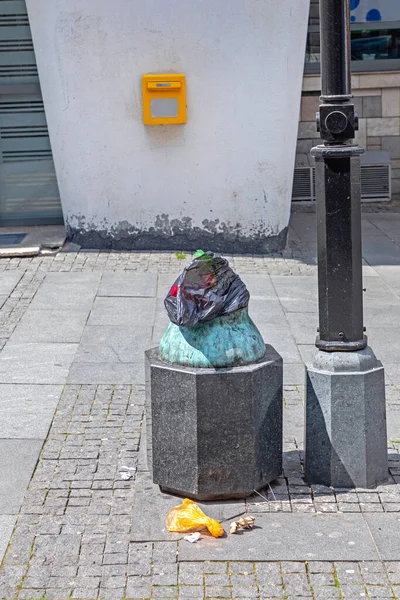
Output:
[[207, 288]]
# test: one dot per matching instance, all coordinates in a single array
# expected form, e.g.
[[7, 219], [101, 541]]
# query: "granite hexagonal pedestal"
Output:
[[345, 425], [215, 433]]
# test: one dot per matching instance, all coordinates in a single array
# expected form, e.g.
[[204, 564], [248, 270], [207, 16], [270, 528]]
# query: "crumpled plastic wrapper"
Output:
[[207, 288]]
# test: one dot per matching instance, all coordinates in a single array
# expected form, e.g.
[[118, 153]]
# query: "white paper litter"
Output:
[[193, 537], [127, 473]]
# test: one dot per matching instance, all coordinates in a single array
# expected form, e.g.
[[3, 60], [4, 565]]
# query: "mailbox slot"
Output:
[[164, 99]]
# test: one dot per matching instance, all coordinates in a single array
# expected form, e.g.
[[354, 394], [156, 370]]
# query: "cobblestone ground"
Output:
[[72, 538], [162, 262]]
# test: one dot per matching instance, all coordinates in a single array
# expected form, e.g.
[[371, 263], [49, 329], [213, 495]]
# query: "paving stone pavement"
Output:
[[73, 328]]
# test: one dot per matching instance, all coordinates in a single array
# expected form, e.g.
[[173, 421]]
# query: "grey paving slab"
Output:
[[385, 530], [36, 363], [303, 326], [128, 284], [370, 228], [305, 226], [392, 372], [389, 227], [267, 312], [293, 537], [390, 275], [122, 311], [271, 321], [293, 424], [111, 344], [378, 216], [368, 271], [158, 332], [161, 316], [152, 506], [72, 278], [49, 326], [3, 298], [379, 293], [383, 317], [307, 352], [393, 424], [292, 234], [259, 286], [383, 340], [97, 373], [27, 410], [8, 281], [7, 523], [380, 251], [293, 373], [18, 460], [72, 297], [284, 344], [297, 294]]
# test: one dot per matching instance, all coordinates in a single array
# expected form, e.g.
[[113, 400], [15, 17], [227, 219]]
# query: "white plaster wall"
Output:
[[228, 170]]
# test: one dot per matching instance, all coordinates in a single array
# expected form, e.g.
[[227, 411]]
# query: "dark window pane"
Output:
[[375, 45]]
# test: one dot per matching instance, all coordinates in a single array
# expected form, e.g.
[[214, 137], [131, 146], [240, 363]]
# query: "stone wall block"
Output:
[[361, 134], [391, 102], [392, 145], [378, 80], [358, 106], [372, 106], [384, 126], [304, 146], [307, 129], [309, 106]]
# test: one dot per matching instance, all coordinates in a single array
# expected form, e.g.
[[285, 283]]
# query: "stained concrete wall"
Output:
[[222, 181]]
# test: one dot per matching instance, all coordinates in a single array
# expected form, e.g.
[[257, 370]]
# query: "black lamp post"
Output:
[[345, 408], [337, 166]]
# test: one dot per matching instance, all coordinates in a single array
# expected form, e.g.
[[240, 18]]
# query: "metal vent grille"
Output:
[[28, 178], [23, 130], [21, 106], [28, 191], [375, 183], [303, 188], [17, 57]]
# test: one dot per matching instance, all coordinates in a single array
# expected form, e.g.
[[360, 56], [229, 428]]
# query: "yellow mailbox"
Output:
[[164, 99]]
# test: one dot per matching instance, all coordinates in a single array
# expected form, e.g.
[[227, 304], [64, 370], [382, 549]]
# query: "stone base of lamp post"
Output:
[[345, 425], [214, 433]]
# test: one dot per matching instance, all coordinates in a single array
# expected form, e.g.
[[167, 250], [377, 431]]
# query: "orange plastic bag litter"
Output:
[[189, 517]]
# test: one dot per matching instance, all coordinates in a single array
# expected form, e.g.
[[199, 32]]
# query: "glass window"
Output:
[[377, 44], [375, 36]]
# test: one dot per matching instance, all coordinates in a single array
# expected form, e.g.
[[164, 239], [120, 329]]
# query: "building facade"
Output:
[[223, 179], [375, 54], [74, 148]]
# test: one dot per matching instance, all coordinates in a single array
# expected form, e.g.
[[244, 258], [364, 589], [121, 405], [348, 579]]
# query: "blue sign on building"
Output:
[[364, 11]]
